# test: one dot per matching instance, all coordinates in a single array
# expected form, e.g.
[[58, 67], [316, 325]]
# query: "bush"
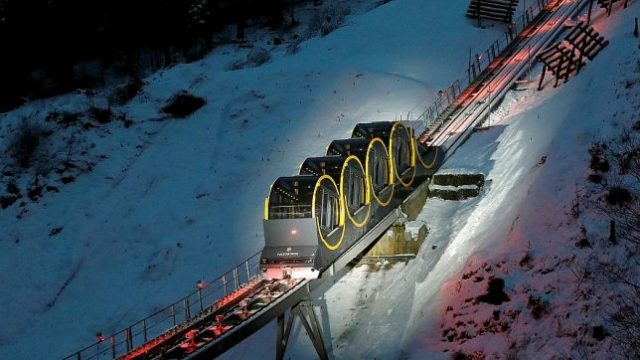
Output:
[[595, 178], [127, 92], [294, 45], [63, 118], [183, 104], [458, 355], [327, 21], [495, 293], [538, 307], [618, 196], [628, 160], [103, 116], [257, 56], [599, 162], [28, 138]]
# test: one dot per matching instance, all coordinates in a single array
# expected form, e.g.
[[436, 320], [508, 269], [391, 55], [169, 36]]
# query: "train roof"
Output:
[[329, 165], [346, 147], [373, 130]]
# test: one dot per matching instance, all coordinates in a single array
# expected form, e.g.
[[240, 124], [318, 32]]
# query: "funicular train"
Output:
[[312, 218]]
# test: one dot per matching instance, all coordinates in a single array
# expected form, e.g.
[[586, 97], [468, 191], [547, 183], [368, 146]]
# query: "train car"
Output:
[[312, 218]]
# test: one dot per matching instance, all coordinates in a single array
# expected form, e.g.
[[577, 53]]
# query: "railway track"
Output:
[[477, 101]]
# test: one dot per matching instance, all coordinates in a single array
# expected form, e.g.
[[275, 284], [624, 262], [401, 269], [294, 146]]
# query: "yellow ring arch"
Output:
[[340, 219], [435, 158], [266, 201], [389, 175], [344, 197], [413, 154]]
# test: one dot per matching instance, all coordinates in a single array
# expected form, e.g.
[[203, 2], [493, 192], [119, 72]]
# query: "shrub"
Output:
[[537, 306], [127, 92], [257, 56], [458, 355], [183, 104], [595, 178], [24, 146], [327, 21], [63, 118], [495, 293], [294, 45], [103, 116], [599, 162], [599, 332], [628, 160], [618, 196]]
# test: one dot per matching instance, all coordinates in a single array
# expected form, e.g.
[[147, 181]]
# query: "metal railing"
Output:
[[477, 64], [174, 317], [289, 211]]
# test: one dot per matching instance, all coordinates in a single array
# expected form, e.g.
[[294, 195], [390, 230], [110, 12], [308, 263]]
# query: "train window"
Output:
[[356, 191], [401, 156], [378, 173], [353, 195], [336, 212], [327, 211]]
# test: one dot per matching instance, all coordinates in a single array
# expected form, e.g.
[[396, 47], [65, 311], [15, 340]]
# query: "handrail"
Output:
[[173, 317], [477, 65]]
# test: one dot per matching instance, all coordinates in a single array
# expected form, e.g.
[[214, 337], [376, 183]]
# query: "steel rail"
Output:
[[502, 74]]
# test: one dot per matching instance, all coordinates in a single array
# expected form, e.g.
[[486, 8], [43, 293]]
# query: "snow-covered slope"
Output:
[[172, 201], [521, 229], [525, 230]]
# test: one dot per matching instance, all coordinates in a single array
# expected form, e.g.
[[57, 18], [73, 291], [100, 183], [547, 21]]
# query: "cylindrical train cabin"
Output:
[[313, 218], [349, 175], [301, 213], [400, 145]]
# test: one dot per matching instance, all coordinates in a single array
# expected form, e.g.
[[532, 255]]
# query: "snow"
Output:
[[175, 201]]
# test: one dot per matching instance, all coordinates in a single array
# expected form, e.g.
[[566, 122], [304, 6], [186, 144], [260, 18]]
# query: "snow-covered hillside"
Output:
[[168, 202], [531, 229]]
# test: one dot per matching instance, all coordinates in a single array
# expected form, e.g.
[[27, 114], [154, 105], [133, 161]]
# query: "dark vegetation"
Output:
[[183, 104], [101, 115], [495, 293], [28, 138], [126, 93], [537, 306], [52, 47], [617, 194], [45, 151]]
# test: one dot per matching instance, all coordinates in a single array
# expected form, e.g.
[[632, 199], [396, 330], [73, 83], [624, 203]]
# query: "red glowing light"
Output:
[[294, 231]]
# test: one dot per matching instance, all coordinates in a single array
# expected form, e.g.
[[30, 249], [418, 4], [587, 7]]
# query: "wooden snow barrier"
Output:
[[456, 186], [498, 10], [567, 58], [608, 4]]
